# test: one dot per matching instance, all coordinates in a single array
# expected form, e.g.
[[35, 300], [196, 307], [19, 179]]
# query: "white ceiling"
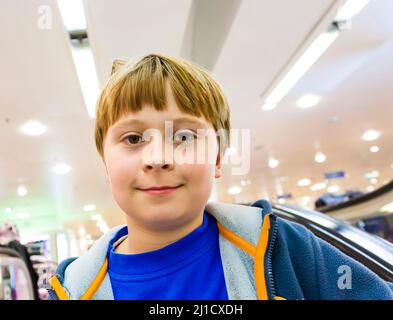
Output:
[[246, 44]]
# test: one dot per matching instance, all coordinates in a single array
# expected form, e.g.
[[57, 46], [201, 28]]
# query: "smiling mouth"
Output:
[[159, 190]]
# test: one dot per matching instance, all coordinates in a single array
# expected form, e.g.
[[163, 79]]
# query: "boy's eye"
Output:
[[184, 136], [133, 139]]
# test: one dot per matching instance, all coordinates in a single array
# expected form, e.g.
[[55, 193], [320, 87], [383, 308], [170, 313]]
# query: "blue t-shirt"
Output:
[[189, 268]]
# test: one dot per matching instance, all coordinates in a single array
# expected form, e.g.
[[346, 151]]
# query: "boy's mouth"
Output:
[[160, 190]]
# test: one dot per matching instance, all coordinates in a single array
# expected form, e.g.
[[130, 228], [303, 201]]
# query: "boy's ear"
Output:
[[116, 64], [218, 165]]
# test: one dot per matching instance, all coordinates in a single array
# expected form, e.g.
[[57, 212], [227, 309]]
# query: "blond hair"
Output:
[[133, 85]]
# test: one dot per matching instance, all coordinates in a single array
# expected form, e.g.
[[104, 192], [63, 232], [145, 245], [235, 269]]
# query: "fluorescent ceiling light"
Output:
[[22, 191], [281, 201], [350, 9], [312, 54], [73, 14], [308, 101], [89, 207], [33, 128], [234, 190], [320, 157], [269, 106], [374, 149], [333, 189], [273, 163], [304, 182], [61, 168], [371, 135], [87, 74], [318, 186]]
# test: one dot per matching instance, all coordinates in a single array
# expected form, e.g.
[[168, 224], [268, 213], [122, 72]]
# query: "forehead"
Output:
[[149, 117]]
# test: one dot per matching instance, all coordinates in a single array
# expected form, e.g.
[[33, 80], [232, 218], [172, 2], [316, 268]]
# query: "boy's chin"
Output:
[[163, 217]]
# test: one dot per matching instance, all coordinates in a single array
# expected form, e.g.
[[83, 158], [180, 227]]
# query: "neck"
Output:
[[142, 239]]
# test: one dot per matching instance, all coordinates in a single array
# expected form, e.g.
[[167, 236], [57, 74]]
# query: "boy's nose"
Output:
[[156, 159], [156, 166]]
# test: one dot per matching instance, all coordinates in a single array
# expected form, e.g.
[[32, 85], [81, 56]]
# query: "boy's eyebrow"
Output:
[[186, 120], [130, 122], [140, 123]]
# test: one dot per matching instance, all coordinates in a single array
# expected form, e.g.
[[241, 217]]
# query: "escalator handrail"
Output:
[[384, 260], [360, 199]]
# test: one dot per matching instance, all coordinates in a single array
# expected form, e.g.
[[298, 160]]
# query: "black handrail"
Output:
[[358, 200]]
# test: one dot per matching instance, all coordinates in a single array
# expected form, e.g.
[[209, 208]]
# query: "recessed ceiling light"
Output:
[[320, 157], [371, 175], [243, 182], [61, 168], [318, 186], [22, 191], [89, 207], [33, 128], [374, 149], [308, 101], [23, 215], [370, 188], [82, 231], [273, 163], [374, 181], [333, 189], [304, 201], [281, 201], [248, 181], [234, 190], [371, 135], [388, 207], [304, 182], [8, 210], [269, 106], [230, 151], [96, 217]]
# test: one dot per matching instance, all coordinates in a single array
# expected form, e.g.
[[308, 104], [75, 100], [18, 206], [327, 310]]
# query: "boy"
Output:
[[176, 245]]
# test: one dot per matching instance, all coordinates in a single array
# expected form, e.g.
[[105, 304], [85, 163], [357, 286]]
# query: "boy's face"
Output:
[[135, 165]]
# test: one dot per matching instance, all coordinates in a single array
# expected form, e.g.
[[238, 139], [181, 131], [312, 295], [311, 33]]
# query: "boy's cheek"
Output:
[[198, 174], [123, 173]]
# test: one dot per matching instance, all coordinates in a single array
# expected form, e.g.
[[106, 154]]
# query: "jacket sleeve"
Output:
[[324, 272], [342, 277]]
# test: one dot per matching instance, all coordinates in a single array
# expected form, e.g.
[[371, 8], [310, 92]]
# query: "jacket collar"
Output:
[[245, 221]]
